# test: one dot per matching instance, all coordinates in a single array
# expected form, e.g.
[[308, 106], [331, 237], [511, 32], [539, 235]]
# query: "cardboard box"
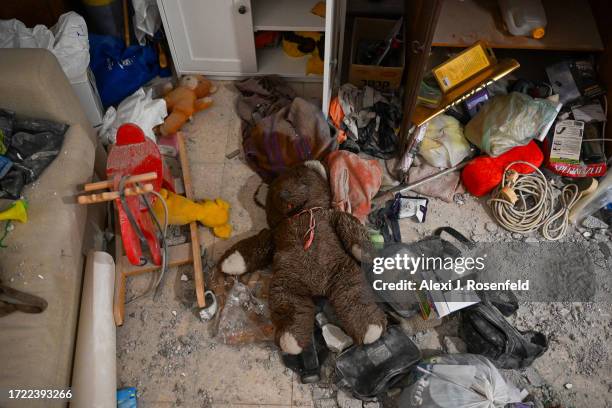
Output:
[[463, 66], [383, 78]]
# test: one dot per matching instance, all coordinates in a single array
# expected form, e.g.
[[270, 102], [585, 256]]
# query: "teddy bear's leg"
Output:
[[249, 254], [351, 232], [173, 123], [355, 306], [292, 315]]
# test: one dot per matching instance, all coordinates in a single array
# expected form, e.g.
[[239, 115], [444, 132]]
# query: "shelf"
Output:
[[456, 95], [275, 61], [286, 15], [571, 26]]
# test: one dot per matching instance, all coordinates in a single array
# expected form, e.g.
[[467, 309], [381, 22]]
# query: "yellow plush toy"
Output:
[[181, 211], [300, 43]]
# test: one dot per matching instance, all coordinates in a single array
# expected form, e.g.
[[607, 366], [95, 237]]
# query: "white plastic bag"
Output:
[[459, 381], [146, 19], [139, 108], [507, 121], [14, 34], [68, 40], [444, 145]]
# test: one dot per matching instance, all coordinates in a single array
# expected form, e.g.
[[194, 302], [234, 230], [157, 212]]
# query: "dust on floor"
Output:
[[173, 359]]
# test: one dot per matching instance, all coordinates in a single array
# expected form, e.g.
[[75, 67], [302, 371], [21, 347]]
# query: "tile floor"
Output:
[[163, 348], [175, 360]]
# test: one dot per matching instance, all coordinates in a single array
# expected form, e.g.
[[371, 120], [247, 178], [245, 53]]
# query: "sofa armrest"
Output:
[[32, 83]]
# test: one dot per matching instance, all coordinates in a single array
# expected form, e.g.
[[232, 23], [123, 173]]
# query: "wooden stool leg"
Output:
[[198, 274], [120, 280], [119, 299]]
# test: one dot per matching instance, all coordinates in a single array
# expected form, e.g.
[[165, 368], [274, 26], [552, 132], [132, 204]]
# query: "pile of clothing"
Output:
[[280, 130], [367, 121]]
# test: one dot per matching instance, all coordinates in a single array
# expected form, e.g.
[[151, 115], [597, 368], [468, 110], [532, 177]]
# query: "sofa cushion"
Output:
[[44, 258]]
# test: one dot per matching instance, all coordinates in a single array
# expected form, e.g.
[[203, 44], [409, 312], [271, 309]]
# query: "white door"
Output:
[[335, 14], [212, 37]]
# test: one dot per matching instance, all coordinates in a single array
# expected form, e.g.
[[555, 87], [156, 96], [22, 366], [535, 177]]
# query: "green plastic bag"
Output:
[[511, 120]]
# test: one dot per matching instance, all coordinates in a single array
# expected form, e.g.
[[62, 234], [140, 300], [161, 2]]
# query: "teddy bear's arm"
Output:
[[351, 232], [248, 255]]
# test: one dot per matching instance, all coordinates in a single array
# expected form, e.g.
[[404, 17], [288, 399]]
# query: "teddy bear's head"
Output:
[[198, 83], [300, 188]]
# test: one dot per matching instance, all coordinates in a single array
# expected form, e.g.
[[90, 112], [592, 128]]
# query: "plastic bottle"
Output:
[[524, 17]]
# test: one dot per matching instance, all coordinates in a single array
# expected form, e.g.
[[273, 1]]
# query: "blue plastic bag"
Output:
[[120, 71]]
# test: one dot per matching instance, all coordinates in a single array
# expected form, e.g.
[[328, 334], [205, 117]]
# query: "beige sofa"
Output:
[[45, 255]]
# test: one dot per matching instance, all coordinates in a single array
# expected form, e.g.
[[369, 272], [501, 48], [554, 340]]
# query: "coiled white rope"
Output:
[[534, 206], [569, 197]]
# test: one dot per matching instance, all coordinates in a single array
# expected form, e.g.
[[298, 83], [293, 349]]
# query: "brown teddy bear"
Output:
[[190, 96], [314, 251]]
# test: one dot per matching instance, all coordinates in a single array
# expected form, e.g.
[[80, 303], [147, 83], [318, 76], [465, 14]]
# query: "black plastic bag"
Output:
[[504, 300], [405, 303], [485, 331], [308, 363], [33, 144], [6, 129], [371, 369]]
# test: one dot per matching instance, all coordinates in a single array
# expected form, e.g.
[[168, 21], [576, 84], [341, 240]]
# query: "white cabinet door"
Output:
[[335, 14], [213, 37]]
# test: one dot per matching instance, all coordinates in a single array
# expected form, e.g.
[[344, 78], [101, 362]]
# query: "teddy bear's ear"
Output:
[[317, 166]]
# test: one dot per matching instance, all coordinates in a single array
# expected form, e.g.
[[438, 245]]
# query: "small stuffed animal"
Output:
[[181, 211], [190, 96], [314, 251]]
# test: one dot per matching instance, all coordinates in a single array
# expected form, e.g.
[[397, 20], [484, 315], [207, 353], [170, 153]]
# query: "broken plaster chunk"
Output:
[[335, 339], [600, 237], [569, 386], [491, 227], [453, 345], [321, 319], [594, 223], [322, 393], [459, 199], [534, 377], [184, 278], [325, 403], [346, 401]]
